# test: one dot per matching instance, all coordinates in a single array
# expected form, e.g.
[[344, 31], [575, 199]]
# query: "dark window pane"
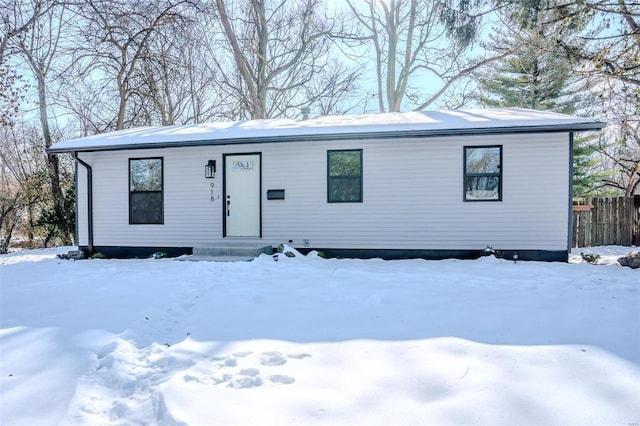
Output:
[[344, 183], [146, 207], [482, 188], [483, 160], [344, 189], [344, 163], [146, 174]]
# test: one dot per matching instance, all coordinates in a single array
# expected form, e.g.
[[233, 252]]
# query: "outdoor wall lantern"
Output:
[[210, 169]]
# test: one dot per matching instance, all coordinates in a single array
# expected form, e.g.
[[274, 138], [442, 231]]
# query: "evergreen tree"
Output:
[[585, 179], [532, 78], [537, 75]]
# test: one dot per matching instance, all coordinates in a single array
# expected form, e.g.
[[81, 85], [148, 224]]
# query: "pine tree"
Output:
[[537, 75], [585, 180], [532, 79]]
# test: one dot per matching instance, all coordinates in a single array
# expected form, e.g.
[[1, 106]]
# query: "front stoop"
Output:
[[228, 253]]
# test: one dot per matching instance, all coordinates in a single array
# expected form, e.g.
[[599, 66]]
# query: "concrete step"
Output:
[[232, 250], [200, 258]]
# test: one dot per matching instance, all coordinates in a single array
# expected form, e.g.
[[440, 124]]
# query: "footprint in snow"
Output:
[[298, 356], [107, 349], [251, 372], [229, 362], [272, 359], [222, 379], [280, 378], [245, 378], [105, 362], [191, 378], [245, 382]]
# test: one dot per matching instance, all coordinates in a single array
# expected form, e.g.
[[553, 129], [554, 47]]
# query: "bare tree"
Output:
[[16, 18], [412, 40], [10, 94], [38, 46], [276, 49], [115, 41], [335, 93], [24, 180], [608, 36], [596, 45], [176, 77], [619, 144], [604, 37], [10, 206], [609, 48]]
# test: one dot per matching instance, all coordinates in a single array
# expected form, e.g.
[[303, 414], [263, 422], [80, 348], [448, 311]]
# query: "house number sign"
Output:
[[214, 196], [243, 166]]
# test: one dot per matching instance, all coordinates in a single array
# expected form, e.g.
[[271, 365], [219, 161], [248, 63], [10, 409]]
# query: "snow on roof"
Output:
[[395, 124]]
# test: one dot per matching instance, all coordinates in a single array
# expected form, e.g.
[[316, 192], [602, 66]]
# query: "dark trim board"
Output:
[[75, 201], [89, 202], [390, 254], [120, 252], [570, 201], [123, 252]]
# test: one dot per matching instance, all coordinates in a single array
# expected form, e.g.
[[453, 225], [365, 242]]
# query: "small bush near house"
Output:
[[590, 258], [72, 255]]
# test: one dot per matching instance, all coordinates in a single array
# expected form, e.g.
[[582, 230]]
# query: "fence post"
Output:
[[595, 226], [627, 216], [636, 220]]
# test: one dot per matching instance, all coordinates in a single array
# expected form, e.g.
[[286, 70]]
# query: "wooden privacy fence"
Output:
[[606, 221]]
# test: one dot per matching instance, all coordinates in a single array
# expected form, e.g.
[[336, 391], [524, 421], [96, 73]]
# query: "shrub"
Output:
[[590, 257]]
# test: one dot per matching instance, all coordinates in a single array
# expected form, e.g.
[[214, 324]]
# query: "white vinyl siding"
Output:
[[413, 197]]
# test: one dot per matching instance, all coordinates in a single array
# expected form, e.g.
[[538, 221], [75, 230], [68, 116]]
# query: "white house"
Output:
[[417, 184]]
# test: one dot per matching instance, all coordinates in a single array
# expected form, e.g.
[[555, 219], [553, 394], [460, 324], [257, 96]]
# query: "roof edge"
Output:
[[573, 127]]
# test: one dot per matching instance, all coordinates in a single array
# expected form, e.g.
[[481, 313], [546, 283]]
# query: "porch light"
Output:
[[210, 169]]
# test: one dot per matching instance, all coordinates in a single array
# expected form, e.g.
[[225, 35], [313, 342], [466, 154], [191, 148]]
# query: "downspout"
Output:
[[89, 200], [570, 231], [75, 203]]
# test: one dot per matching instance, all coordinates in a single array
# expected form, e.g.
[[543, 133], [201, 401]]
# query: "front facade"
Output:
[[389, 193]]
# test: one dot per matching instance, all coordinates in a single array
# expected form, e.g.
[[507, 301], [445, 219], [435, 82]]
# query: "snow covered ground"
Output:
[[318, 342]]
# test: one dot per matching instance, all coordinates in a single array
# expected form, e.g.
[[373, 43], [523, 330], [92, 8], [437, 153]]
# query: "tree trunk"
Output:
[[239, 59], [53, 163]]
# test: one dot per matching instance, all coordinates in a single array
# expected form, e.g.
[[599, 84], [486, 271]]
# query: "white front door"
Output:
[[242, 195]]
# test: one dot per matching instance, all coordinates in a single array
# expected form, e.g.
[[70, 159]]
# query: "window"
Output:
[[344, 176], [483, 173], [145, 191]]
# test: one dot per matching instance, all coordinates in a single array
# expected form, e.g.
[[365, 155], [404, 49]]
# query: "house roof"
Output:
[[388, 125]]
